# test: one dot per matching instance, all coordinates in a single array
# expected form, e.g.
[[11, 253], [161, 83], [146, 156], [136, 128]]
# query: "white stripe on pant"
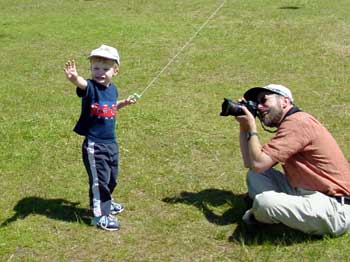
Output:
[[96, 201]]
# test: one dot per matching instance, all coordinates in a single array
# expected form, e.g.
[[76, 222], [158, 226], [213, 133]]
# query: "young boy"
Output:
[[97, 123]]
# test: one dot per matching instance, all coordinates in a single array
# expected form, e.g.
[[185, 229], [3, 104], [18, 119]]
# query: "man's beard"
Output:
[[273, 117]]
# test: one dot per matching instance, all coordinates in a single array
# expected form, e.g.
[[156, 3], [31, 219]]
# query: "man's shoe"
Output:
[[116, 208], [249, 218], [108, 223]]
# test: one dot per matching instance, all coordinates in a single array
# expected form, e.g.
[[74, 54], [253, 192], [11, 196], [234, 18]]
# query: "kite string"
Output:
[[179, 52]]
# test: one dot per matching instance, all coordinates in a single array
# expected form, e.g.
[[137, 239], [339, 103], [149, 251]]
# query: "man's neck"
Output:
[[289, 111]]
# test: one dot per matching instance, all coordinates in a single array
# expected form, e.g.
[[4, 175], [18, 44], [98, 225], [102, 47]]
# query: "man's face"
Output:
[[270, 108]]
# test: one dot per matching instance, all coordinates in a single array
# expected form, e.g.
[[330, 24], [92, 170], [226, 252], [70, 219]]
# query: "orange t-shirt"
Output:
[[310, 156]]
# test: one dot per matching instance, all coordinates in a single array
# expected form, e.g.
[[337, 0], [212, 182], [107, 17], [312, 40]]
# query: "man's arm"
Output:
[[244, 148], [251, 148], [259, 161]]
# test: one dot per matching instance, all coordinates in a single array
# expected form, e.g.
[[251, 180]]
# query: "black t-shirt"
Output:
[[98, 112]]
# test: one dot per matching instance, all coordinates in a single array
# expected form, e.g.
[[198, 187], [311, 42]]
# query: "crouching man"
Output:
[[313, 192]]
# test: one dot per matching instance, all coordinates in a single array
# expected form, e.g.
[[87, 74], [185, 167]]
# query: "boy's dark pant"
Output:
[[101, 163]]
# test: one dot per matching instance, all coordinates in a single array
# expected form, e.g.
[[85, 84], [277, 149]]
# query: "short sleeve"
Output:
[[81, 92], [292, 137]]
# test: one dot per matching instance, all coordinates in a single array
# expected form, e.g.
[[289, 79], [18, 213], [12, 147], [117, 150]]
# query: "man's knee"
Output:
[[264, 200], [265, 208]]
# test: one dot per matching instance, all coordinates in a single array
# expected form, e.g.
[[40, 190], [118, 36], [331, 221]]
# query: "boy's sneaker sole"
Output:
[[109, 228], [108, 223]]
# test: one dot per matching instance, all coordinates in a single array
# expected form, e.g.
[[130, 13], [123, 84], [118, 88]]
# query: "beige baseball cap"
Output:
[[281, 90], [106, 51]]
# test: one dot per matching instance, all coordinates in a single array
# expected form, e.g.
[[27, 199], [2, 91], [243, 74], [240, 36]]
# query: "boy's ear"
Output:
[[116, 70]]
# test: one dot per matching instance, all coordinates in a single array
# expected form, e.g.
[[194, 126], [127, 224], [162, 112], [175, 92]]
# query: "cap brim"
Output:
[[252, 94]]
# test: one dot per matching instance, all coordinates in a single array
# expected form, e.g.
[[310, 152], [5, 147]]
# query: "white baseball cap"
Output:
[[281, 90], [106, 51]]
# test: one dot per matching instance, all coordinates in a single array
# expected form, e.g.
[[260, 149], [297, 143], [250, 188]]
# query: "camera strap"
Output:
[[292, 111]]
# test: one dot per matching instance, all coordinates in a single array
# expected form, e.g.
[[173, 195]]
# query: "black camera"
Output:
[[230, 108]]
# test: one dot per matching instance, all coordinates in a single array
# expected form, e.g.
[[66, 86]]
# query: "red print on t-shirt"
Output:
[[103, 110]]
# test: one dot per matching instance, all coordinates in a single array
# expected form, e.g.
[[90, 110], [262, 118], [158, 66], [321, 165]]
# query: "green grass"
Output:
[[181, 175]]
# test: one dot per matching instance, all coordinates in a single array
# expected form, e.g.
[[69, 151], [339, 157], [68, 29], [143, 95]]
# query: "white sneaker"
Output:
[[116, 208], [108, 223]]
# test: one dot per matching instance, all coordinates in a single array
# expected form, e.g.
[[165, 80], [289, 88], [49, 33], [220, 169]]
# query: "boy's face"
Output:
[[103, 70]]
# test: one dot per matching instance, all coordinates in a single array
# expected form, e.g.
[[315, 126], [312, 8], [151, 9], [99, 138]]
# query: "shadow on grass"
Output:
[[274, 234], [209, 202], [59, 209], [290, 7], [222, 207]]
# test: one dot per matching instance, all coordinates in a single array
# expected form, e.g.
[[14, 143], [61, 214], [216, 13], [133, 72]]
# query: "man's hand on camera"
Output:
[[246, 121]]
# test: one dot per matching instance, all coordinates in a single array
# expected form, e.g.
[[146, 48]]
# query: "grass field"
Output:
[[181, 175]]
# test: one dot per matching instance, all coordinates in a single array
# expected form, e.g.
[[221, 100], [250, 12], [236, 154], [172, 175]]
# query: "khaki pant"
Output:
[[275, 201]]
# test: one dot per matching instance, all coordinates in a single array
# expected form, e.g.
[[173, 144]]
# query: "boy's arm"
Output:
[[72, 75], [125, 102]]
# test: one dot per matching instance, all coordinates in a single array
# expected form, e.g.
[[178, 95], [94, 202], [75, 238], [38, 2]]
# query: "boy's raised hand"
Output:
[[71, 71], [72, 75]]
